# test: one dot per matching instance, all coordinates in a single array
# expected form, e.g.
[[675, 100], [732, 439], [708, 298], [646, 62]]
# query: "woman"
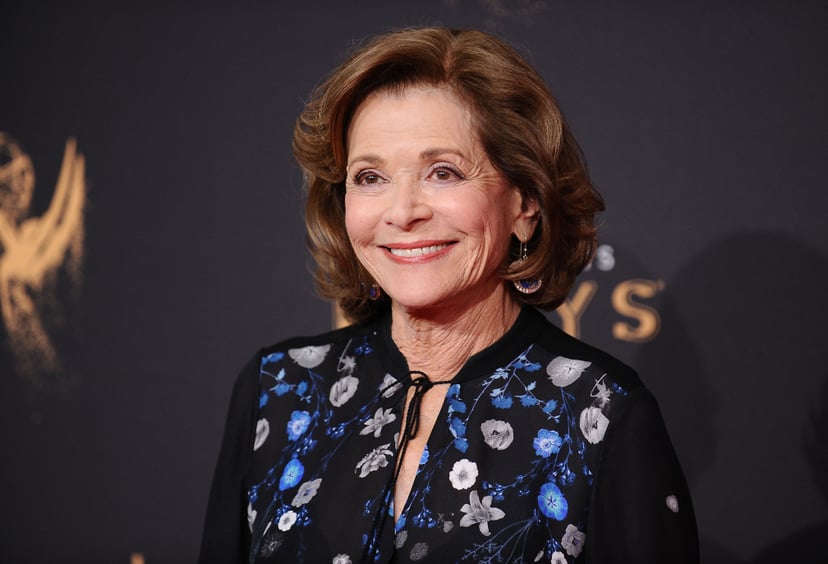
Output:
[[452, 422]]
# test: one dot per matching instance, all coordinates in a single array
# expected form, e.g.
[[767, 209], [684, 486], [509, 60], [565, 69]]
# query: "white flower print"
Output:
[[374, 460], [573, 541], [497, 434], [563, 371], [418, 551], [463, 474], [262, 431], [341, 559], [287, 520], [477, 511], [558, 558], [271, 541], [389, 386], [381, 418], [593, 424], [309, 357], [251, 516], [346, 364], [306, 492], [343, 390], [601, 393]]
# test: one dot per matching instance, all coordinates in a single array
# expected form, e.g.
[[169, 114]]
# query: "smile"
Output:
[[417, 251]]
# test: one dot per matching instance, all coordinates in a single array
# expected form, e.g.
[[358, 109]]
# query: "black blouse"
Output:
[[545, 449]]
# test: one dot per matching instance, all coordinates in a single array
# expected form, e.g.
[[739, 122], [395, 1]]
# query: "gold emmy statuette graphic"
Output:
[[35, 248]]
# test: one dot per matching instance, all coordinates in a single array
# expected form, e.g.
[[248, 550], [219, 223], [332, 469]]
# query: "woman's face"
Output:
[[426, 212]]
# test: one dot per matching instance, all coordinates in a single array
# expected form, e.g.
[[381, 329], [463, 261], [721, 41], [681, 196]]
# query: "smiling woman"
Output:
[[452, 422], [427, 214]]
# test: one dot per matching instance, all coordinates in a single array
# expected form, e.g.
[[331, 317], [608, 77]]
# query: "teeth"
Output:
[[418, 252]]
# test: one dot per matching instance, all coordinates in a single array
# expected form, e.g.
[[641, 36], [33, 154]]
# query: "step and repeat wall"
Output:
[[151, 239]]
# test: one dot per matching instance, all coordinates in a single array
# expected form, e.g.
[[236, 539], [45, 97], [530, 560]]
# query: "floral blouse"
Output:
[[546, 450]]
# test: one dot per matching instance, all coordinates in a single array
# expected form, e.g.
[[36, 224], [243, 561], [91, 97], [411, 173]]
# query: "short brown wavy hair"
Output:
[[518, 123]]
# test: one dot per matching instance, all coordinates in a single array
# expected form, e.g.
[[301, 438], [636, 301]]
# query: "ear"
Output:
[[527, 220]]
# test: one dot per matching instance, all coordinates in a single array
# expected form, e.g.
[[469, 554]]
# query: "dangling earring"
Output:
[[374, 292], [527, 285]]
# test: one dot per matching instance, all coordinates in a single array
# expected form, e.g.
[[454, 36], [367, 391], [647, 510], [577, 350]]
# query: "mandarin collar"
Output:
[[526, 327]]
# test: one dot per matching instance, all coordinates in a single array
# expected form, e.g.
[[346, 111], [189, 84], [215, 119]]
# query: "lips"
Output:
[[416, 251]]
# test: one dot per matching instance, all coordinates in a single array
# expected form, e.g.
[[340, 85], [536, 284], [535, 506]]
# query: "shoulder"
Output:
[[307, 350], [293, 353], [296, 363], [567, 358], [596, 389], [327, 338]]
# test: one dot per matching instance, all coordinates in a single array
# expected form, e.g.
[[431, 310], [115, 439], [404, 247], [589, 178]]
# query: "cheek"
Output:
[[491, 226], [351, 216], [358, 224], [498, 239]]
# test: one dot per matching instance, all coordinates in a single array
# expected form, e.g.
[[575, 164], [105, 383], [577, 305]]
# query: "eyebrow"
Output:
[[429, 154], [426, 155], [370, 159]]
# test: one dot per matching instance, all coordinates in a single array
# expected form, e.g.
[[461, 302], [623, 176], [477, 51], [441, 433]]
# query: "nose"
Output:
[[407, 205]]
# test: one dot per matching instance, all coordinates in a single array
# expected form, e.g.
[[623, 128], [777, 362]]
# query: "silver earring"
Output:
[[527, 285]]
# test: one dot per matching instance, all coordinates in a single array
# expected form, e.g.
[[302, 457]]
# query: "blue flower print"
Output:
[[500, 374], [552, 502], [297, 425], [363, 349], [566, 477], [455, 403], [502, 401], [301, 388], [291, 475], [458, 430], [547, 443], [457, 427], [523, 363], [272, 357], [528, 401]]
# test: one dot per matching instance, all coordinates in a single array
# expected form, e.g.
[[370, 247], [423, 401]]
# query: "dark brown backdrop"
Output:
[[705, 129]]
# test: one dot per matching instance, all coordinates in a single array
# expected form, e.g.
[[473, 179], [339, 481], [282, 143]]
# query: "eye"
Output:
[[367, 178], [445, 173]]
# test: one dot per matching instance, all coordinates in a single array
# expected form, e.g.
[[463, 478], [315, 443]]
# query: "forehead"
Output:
[[413, 113]]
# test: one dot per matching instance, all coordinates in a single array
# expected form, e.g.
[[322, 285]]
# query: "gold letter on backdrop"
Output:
[[35, 248], [648, 319], [571, 310]]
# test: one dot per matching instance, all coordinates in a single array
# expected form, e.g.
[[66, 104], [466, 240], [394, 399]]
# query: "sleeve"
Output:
[[226, 537], [641, 511]]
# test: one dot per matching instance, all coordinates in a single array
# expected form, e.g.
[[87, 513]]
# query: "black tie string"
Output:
[[420, 383]]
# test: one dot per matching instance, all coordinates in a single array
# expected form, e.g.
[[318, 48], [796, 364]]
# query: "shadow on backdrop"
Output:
[[736, 367], [808, 544]]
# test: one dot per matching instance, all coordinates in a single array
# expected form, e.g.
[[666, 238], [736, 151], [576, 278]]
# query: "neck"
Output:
[[439, 341]]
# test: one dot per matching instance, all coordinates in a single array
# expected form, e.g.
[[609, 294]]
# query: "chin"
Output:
[[414, 303], [431, 304], [416, 298]]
